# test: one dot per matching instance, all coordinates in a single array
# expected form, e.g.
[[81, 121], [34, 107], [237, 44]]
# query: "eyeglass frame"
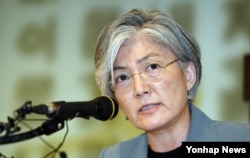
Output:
[[131, 76]]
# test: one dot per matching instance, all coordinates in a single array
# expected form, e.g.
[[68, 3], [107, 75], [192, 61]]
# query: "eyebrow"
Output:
[[148, 56]]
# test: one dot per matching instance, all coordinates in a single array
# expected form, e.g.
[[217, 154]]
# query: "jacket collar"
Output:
[[201, 127]]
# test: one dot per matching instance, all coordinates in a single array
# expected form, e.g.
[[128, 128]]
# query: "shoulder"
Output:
[[229, 131], [133, 146], [203, 128]]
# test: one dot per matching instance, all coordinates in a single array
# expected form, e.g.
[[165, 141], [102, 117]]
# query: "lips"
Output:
[[148, 107]]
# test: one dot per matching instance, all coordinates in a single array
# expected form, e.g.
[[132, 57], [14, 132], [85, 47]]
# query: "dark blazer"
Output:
[[201, 128]]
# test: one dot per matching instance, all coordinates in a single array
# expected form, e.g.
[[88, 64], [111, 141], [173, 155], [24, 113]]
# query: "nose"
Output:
[[140, 85]]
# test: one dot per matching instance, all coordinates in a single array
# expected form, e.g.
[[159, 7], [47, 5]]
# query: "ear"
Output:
[[190, 74]]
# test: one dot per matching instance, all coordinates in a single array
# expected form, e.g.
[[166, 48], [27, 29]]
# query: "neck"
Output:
[[172, 136]]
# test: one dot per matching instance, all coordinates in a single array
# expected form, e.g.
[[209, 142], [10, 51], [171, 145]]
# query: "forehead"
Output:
[[137, 49]]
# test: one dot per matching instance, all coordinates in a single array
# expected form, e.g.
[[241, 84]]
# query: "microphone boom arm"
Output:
[[48, 127]]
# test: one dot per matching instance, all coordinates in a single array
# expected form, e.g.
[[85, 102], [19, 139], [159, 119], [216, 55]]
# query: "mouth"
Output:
[[148, 107]]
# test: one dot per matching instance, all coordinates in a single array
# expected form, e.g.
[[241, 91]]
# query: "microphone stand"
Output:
[[47, 128]]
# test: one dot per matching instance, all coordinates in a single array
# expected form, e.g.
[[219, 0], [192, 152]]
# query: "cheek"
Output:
[[124, 103], [173, 87]]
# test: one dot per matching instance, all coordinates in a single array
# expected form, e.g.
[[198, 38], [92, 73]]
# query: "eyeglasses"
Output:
[[151, 72]]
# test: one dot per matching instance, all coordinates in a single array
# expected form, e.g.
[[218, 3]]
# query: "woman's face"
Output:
[[152, 105]]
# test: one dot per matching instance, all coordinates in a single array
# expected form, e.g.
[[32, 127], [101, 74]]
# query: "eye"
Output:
[[153, 70], [121, 78], [152, 67]]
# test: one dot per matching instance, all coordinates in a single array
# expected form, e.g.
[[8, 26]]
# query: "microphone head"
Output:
[[107, 108]]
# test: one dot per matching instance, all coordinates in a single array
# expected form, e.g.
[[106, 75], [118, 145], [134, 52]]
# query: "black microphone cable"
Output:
[[62, 154], [55, 150]]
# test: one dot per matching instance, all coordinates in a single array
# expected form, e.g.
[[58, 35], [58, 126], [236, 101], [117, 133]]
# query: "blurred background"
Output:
[[47, 54]]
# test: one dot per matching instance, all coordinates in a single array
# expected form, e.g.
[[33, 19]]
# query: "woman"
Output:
[[151, 66]]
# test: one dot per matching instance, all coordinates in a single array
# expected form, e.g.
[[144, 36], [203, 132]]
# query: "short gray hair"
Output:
[[153, 24]]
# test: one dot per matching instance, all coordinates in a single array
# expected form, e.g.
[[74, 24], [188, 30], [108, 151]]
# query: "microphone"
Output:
[[102, 108]]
